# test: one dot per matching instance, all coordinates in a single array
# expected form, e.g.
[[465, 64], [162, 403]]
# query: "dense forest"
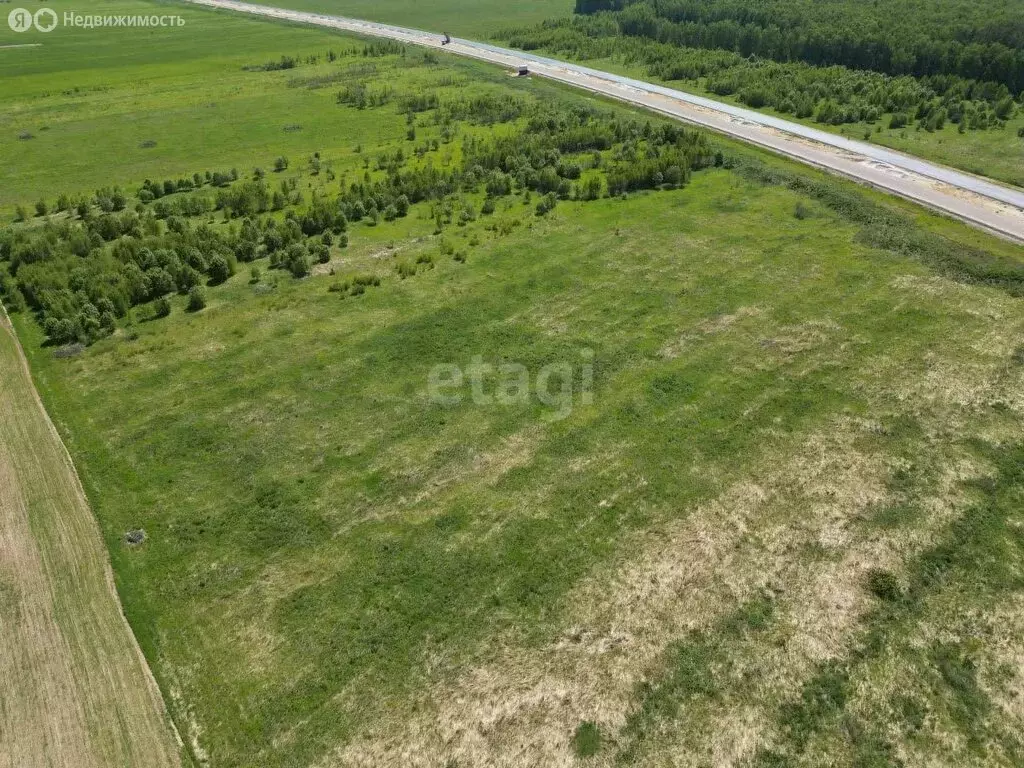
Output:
[[82, 266], [972, 40]]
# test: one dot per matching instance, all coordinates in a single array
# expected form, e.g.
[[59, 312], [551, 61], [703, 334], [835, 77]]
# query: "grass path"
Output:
[[76, 691]]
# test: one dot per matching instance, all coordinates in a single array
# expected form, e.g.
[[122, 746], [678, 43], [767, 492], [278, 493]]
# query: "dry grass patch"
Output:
[[976, 368], [521, 706], [707, 327]]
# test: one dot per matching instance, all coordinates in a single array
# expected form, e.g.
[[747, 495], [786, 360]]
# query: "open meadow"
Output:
[[477, 19], [472, 421], [95, 107]]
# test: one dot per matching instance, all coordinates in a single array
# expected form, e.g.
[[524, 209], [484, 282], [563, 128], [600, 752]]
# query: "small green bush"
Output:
[[219, 269], [547, 204], [196, 299], [884, 585]]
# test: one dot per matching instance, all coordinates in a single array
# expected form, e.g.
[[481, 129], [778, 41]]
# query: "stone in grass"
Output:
[[135, 536], [69, 350]]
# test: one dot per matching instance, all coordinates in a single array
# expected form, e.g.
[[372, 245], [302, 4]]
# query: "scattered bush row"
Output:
[[153, 190]]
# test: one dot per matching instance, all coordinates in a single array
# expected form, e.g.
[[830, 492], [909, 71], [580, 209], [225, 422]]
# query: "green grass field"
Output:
[[473, 18], [103, 84], [784, 530]]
